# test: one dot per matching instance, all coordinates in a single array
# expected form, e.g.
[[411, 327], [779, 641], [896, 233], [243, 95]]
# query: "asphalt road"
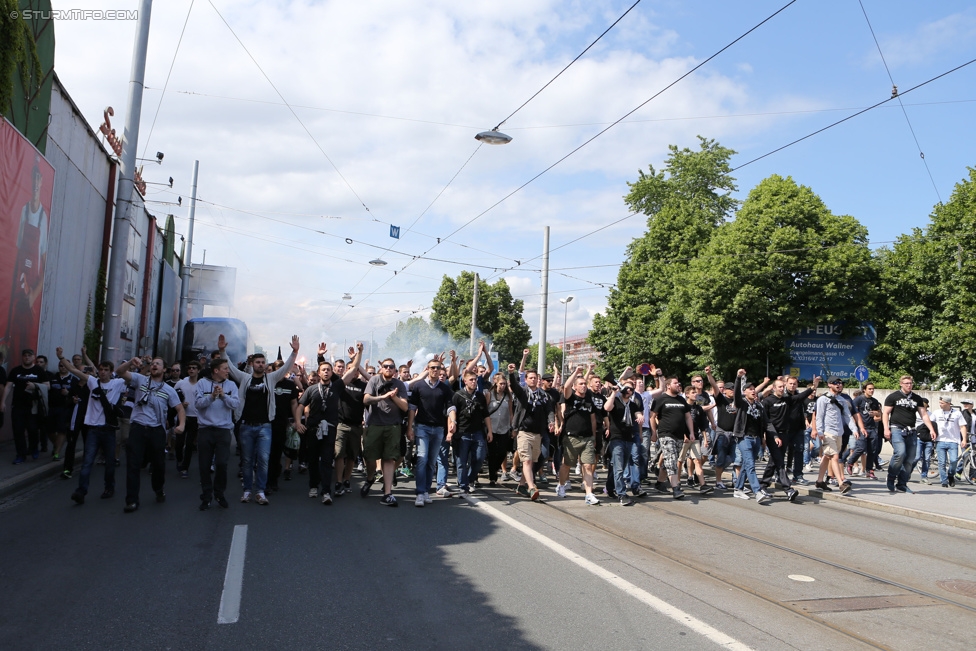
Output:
[[491, 572]]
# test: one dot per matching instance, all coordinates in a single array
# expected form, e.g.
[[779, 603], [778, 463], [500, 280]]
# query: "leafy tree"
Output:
[[499, 315], [929, 329], [785, 263], [554, 355], [685, 202]]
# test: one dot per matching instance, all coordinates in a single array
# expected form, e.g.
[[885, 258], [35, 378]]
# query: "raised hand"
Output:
[[294, 343], [525, 353], [708, 370], [59, 351], [221, 343], [323, 349], [352, 352]]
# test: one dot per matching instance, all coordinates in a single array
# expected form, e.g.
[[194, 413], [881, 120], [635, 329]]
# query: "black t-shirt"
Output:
[[285, 391], [725, 411], [698, 419], [576, 419], [598, 402], [671, 412], [256, 403], [20, 376], [351, 407], [57, 400], [778, 411], [865, 406], [619, 428], [323, 402], [810, 407], [904, 408], [471, 411]]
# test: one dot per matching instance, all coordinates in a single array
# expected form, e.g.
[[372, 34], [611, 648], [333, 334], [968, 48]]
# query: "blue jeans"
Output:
[[749, 448], [645, 445], [809, 454], [255, 450], [621, 452], [903, 447], [638, 460], [923, 455], [428, 438], [942, 449], [443, 463], [98, 438], [472, 451]]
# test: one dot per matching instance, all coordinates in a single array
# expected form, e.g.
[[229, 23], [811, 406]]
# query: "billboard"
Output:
[[26, 188], [821, 350]]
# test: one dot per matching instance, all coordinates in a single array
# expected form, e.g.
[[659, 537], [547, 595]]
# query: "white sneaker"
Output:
[[720, 486], [578, 470], [444, 492], [419, 501], [427, 499], [313, 492], [327, 499], [591, 500], [516, 476], [503, 477], [762, 496], [740, 494], [561, 490]]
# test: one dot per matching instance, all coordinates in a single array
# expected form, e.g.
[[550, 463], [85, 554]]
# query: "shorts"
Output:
[[669, 454], [529, 446], [382, 442], [692, 448], [832, 445], [349, 441], [580, 449]]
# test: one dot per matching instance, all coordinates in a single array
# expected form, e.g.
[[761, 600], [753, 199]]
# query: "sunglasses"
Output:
[[389, 366]]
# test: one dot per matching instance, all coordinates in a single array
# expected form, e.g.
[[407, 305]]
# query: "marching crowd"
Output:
[[395, 424]]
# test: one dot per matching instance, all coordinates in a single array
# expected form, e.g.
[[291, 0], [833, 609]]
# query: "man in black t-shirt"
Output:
[[322, 400], [470, 422], [24, 382], [620, 438], [868, 409], [579, 428], [286, 409], [671, 425], [899, 415], [349, 432]]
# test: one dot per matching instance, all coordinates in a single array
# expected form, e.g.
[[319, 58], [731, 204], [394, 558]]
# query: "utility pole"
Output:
[[187, 263], [474, 314], [112, 335], [544, 311]]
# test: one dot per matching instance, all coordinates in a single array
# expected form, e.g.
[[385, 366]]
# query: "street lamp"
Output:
[[494, 137], [565, 301]]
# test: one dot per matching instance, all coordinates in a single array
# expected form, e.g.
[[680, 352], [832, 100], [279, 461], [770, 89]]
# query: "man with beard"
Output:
[[24, 382], [385, 398], [215, 400]]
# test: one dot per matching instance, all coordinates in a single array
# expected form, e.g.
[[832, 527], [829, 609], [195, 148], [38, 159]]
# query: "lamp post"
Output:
[[565, 301]]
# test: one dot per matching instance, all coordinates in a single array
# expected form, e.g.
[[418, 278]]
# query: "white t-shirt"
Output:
[[189, 393], [948, 423], [95, 416]]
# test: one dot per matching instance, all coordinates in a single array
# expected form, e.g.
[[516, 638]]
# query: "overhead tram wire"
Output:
[[578, 56], [169, 74], [853, 115], [894, 93], [600, 133], [292, 110]]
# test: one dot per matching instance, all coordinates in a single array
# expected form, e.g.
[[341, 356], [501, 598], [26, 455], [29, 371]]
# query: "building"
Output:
[[578, 352]]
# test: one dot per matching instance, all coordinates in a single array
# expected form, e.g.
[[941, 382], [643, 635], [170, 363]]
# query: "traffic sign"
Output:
[[644, 369], [861, 373]]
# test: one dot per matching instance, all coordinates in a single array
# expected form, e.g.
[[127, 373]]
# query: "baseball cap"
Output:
[[967, 401], [946, 399], [833, 379]]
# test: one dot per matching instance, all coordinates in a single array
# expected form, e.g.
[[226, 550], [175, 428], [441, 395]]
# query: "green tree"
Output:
[[785, 263], [554, 355], [685, 203], [929, 324], [499, 315]]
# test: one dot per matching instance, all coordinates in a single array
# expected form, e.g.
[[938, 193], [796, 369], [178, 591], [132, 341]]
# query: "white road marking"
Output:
[[632, 590], [230, 598], [801, 577]]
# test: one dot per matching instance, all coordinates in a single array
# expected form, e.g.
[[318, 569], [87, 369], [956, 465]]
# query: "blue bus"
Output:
[[200, 338]]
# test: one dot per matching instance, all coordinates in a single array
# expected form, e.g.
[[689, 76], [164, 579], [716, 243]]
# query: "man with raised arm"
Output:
[[215, 399], [386, 399], [256, 411], [579, 434]]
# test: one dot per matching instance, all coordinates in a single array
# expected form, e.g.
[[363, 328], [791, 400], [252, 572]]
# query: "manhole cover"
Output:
[[801, 578], [965, 588]]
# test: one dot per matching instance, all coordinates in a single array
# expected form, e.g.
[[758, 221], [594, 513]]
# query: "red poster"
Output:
[[26, 188]]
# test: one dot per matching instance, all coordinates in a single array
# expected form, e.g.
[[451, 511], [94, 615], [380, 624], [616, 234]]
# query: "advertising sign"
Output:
[[26, 188], [822, 351]]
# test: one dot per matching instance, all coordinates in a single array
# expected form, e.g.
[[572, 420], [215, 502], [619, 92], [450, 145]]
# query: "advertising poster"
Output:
[[26, 188], [823, 350]]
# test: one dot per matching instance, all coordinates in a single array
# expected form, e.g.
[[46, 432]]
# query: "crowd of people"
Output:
[[396, 424]]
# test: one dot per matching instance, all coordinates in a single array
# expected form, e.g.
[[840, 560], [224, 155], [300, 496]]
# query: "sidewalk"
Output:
[[14, 478]]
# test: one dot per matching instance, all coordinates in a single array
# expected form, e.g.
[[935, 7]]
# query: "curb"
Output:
[[25, 479]]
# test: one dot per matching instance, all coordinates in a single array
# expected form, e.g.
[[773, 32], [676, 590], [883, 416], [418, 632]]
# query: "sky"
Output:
[[318, 125]]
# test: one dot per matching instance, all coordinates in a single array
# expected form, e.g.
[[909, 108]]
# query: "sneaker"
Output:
[[427, 499], [741, 494], [522, 490], [561, 490], [327, 500], [131, 507], [534, 494], [661, 487], [443, 491], [261, 499], [591, 500], [904, 489], [824, 486], [419, 501], [389, 500], [849, 469], [925, 480], [762, 496], [516, 476], [626, 501], [705, 489], [832, 481], [35, 455], [800, 481], [691, 482], [107, 494], [367, 484], [347, 486], [677, 493], [468, 489], [870, 475], [78, 497], [952, 481], [578, 471], [246, 497], [184, 474], [287, 474], [160, 497], [720, 486], [204, 505], [19, 460], [222, 501], [891, 485], [313, 493], [791, 494], [945, 484], [302, 468], [66, 474]]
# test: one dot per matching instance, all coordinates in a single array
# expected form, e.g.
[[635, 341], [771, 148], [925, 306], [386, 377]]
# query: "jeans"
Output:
[[443, 462], [213, 444], [793, 444], [903, 445], [645, 444], [472, 451], [69, 450], [810, 453], [923, 455], [638, 460], [98, 438], [143, 442], [950, 449], [428, 439], [749, 448], [255, 450], [620, 451]]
